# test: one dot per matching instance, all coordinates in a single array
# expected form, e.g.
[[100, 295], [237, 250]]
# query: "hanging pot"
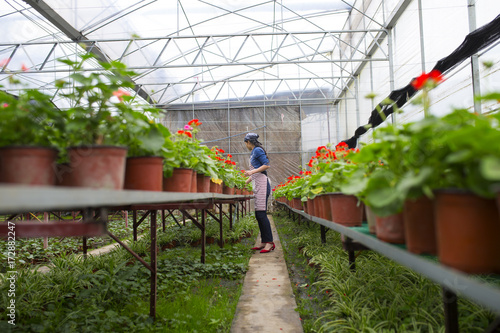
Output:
[[202, 183], [144, 173], [98, 166], [467, 229], [180, 181], [371, 218], [346, 209], [390, 228], [28, 165], [420, 228]]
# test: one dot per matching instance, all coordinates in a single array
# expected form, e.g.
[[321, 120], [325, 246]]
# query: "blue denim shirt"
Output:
[[258, 158]]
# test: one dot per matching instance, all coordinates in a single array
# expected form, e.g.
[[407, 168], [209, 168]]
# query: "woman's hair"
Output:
[[252, 138], [256, 143]]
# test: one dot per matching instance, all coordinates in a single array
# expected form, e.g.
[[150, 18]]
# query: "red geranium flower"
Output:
[[188, 134], [194, 122], [433, 76]]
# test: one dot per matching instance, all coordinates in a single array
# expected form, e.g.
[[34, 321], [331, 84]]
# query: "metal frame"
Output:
[[20, 199], [453, 282], [248, 59]]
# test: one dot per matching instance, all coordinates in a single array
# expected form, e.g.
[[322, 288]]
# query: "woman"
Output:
[[259, 163]]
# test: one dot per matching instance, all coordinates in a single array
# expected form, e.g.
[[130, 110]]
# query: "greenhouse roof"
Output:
[[190, 51]]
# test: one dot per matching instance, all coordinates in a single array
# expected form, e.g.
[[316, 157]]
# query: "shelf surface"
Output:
[[469, 286], [20, 199]]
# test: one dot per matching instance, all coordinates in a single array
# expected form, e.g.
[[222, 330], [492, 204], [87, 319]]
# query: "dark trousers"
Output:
[[266, 233]]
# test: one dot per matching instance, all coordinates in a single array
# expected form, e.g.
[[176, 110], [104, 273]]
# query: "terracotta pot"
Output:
[[498, 201], [228, 190], [467, 228], [98, 166], [310, 207], [194, 186], [371, 219], [391, 228], [213, 187], [318, 206], [202, 183], [325, 211], [180, 181], [144, 173], [296, 204], [219, 187], [63, 175], [28, 165], [346, 209], [420, 229]]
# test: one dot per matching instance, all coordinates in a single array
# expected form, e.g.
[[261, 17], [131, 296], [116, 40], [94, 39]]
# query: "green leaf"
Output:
[[490, 168]]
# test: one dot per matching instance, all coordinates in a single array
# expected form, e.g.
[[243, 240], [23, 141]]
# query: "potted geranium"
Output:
[[205, 168], [30, 126], [329, 172], [466, 195], [98, 103], [179, 157], [146, 140]]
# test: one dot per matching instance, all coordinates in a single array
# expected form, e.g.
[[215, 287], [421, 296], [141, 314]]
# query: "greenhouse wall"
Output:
[[445, 25], [279, 130]]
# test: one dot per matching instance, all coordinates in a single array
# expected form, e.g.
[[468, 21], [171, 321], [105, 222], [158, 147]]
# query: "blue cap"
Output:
[[251, 137]]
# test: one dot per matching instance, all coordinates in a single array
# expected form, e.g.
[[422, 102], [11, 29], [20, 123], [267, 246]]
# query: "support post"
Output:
[[203, 237], [450, 311], [323, 234], [230, 216], [476, 86], [87, 214], [134, 224], [163, 219], [221, 242], [154, 275], [350, 253]]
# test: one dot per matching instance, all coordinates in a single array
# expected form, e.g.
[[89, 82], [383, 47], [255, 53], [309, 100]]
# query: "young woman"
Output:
[[259, 163]]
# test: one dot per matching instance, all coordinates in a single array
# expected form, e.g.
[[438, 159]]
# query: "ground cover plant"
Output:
[[110, 293], [380, 296], [30, 251]]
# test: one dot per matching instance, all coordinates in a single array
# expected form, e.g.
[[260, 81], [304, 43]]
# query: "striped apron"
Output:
[[259, 181]]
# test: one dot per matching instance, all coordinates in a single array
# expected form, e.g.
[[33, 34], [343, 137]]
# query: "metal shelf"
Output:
[[469, 286], [20, 199]]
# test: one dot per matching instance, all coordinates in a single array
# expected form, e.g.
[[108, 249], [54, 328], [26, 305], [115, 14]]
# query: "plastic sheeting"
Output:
[[278, 128]]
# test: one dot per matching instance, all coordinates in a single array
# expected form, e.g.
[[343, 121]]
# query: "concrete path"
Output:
[[267, 303]]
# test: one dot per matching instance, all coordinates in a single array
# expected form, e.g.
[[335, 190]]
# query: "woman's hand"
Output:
[[248, 173]]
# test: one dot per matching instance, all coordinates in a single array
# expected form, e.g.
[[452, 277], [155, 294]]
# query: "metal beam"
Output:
[[58, 21]]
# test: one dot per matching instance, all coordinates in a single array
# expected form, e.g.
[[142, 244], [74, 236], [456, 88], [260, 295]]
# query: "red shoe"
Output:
[[257, 248], [271, 249]]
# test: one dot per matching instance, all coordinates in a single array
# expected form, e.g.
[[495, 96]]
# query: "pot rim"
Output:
[[97, 146], [149, 156], [453, 190], [29, 147]]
